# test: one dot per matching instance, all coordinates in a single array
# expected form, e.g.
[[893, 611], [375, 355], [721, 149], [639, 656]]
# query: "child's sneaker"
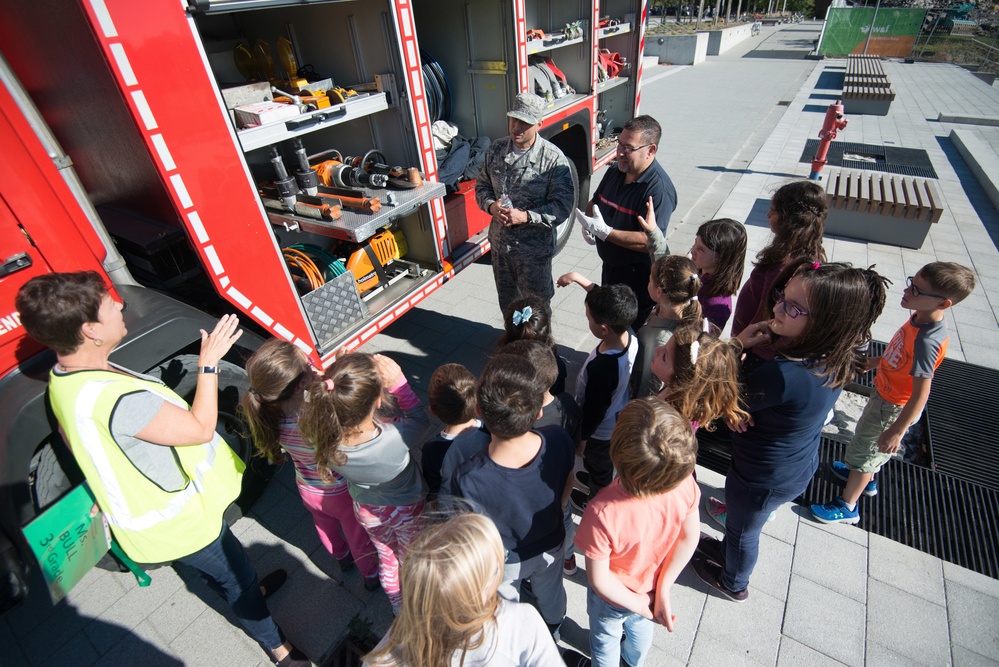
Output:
[[836, 512], [583, 479], [575, 659], [569, 566], [710, 573], [840, 470], [717, 511]]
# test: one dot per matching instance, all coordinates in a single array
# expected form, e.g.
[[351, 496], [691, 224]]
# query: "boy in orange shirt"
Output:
[[630, 569], [902, 385]]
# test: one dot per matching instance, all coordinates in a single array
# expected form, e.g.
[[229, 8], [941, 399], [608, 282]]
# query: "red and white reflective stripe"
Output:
[[136, 98], [520, 24], [640, 59]]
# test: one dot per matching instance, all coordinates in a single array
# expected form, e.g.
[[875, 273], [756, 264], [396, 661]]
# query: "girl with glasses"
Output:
[[820, 320]]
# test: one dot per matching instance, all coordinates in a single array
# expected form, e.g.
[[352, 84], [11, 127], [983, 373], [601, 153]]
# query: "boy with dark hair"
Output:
[[602, 385], [902, 385], [452, 400], [521, 481], [630, 568], [560, 410]]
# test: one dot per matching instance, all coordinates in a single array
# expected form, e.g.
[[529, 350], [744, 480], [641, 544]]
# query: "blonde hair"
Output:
[[449, 581], [708, 388], [653, 447]]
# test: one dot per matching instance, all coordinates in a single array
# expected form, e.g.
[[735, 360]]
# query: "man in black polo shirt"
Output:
[[621, 197]]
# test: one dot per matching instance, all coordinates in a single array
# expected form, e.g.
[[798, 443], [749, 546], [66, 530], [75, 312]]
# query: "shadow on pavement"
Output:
[[973, 189]]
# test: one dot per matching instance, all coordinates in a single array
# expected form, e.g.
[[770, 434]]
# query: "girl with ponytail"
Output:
[[279, 376], [347, 420], [673, 285]]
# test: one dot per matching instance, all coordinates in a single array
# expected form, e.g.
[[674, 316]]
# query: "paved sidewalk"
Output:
[[821, 595]]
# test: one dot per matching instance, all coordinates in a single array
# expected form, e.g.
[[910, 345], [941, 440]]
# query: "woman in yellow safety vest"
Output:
[[160, 473]]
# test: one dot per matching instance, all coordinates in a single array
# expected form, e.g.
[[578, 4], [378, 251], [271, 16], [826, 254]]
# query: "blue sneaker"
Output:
[[836, 512], [839, 469]]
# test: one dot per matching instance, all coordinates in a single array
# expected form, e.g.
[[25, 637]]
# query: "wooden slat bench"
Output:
[[866, 88], [884, 208]]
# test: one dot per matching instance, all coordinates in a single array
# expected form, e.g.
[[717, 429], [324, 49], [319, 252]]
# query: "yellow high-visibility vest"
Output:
[[152, 524]]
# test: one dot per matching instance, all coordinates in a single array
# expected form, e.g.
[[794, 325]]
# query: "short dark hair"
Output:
[[452, 394], [53, 307], [951, 279], [509, 396], [614, 306], [653, 447], [648, 127], [538, 355]]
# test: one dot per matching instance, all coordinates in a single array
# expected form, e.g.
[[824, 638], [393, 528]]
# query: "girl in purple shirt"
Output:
[[719, 252]]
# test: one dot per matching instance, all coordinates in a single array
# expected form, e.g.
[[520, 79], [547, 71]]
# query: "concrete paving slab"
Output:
[[831, 561], [907, 624], [751, 628], [879, 656], [974, 620], [906, 568], [212, 641], [812, 609], [967, 658], [773, 570], [710, 653], [796, 654]]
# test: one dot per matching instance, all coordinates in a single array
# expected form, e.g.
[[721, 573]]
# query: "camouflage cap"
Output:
[[528, 108]]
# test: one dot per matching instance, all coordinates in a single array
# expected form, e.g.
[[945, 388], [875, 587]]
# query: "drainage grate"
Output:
[[963, 411], [939, 514], [887, 159]]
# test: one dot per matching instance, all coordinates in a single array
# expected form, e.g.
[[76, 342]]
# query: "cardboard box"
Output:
[[261, 113]]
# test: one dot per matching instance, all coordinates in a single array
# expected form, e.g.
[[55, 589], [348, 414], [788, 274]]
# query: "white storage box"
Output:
[[261, 113]]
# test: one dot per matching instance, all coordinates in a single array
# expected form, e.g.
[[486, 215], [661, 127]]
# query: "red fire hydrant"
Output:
[[834, 123]]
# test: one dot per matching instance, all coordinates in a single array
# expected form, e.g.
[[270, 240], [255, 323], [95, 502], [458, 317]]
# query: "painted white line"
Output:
[[159, 143], [125, 67], [144, 111]]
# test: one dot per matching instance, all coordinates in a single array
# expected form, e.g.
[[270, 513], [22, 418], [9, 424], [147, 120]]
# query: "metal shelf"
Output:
[[358, 227], [613, 30], [604, 86], [563, 102], [538, 45], [262, 136]]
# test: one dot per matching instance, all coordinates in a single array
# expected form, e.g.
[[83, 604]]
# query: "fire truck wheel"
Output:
[[564, 229], [181, 374]]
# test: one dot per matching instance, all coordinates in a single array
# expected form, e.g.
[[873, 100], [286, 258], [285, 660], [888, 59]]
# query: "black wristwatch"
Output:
[[214, 370]]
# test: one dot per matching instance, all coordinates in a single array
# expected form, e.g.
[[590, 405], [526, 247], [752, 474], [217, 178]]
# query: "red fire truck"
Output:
[[273, 158]]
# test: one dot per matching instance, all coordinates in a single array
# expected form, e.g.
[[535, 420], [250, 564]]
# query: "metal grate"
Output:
[[940, 514], [963, 411], [886, 159]]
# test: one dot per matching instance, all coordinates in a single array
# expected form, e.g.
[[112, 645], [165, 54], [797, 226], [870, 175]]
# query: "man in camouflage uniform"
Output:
[[526, 186]]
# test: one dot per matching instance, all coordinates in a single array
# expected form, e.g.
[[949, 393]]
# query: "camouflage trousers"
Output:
[[520, 271]]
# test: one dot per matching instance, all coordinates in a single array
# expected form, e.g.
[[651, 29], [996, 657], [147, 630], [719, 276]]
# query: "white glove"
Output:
[[584, 228], [594, 224]]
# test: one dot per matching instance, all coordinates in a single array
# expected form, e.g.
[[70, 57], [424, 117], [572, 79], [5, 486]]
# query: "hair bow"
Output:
[[521, 316], [815, 266], [328, 384]]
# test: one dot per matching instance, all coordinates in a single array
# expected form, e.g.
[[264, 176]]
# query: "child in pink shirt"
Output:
[[629, 568]]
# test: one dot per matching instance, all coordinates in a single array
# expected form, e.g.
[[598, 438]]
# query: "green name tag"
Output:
[[67, 541]]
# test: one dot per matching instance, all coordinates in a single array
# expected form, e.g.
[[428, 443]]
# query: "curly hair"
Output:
[[708, 388], [801, 208], [275, 371], [843, 304]]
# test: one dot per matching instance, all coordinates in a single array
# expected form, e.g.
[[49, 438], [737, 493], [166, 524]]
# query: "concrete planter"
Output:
[[720, 41], [678, 49]]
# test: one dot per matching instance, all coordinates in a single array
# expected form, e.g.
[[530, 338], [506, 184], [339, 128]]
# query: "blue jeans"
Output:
[[607, 623], [747, 511], [224, 564]]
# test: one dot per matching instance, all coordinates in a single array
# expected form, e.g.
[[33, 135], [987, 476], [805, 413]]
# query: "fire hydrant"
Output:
[[834, 123]]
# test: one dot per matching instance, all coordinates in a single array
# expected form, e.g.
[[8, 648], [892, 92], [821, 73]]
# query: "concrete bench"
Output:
[[884, 208], [866, 88]]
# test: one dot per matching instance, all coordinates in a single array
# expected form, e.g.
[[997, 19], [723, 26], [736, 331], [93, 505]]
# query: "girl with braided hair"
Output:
[[821, 315], [797, 218]]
